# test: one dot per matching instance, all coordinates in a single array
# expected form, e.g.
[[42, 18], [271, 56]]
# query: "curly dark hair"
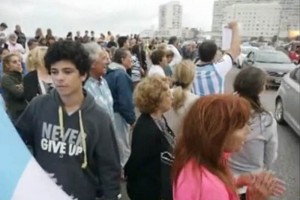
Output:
[[70, 51]]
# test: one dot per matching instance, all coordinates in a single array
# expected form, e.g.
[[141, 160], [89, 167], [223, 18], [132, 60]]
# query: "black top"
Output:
[[21, 38], [31, 85], [111, 44], [144, 165]]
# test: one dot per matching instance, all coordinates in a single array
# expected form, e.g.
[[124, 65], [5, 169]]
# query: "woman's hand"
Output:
[[245, 180], [265, 184]]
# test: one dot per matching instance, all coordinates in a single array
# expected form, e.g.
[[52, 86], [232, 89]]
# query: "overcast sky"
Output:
[[119, 16]]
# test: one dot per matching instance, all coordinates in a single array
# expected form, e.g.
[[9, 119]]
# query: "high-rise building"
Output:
[[254, 19], [289, 15], [170, 19]]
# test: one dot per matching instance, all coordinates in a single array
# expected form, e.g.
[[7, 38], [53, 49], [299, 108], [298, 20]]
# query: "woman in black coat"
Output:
[[37, 81], [151, 136]]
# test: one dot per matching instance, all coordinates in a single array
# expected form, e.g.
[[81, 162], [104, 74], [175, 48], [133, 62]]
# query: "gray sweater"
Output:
[[260, 149]]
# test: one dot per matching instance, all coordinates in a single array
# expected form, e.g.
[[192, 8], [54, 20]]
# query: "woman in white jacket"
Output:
[[260, 148], [183, 99]]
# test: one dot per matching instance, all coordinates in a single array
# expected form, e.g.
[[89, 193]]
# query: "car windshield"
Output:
[[272, 57]]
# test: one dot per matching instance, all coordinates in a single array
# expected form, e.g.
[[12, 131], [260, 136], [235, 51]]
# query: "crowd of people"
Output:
[[96, 112]]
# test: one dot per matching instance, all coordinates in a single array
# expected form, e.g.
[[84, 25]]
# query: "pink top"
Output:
[[191, 185]]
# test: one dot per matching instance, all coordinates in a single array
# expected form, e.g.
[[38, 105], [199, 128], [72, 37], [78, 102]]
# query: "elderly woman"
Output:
[[37, 81], [96, 84], [151, 136], [121, 87]]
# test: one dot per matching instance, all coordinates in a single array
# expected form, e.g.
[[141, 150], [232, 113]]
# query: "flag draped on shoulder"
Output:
[[21, 177]]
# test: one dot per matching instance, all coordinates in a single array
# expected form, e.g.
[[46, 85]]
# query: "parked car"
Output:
[[287, 109], [275, 63], [293, 49], [267, 47], [245, 50]]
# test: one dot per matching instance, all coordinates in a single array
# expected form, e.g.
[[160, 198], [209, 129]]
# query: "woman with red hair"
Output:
[[215, 126]]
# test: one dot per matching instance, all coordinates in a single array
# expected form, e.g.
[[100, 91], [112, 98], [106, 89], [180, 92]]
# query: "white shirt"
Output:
[[210, 78], [177, 57], [18, 48], [156, 69]]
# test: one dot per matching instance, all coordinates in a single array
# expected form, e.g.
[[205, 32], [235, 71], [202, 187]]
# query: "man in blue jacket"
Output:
[[121, 87]]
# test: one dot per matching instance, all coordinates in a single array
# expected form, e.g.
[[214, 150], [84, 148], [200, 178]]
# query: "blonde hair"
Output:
[[183, 78], [35, 58], [7, 59], [162, 47], [150, 92]]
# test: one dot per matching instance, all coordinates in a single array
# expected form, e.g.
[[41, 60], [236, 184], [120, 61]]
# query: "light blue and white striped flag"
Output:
[[21, 177]]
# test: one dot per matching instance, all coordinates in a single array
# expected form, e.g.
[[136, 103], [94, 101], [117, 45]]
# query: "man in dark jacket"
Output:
[[21, 36]]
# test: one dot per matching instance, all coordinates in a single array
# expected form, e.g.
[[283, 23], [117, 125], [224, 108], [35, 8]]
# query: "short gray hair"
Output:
[[189, 42], [93, 49], [12, 36]]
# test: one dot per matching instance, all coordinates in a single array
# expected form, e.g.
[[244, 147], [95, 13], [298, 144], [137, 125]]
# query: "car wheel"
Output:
[[279, 111]]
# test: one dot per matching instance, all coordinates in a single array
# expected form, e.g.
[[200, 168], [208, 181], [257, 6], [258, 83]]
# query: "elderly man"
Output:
[[96, 84], [13, 46], [189, 50]]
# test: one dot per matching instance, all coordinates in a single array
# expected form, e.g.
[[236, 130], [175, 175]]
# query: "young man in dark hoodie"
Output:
[[68, 143]]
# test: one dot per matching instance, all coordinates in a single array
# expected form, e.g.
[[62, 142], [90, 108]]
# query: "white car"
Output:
[[287, 108], [245, 50]]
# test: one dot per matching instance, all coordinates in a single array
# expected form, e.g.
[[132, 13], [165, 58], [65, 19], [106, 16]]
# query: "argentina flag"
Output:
[[21, 177]]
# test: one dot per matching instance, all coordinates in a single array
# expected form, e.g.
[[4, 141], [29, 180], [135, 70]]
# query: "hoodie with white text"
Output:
[[78, 150]]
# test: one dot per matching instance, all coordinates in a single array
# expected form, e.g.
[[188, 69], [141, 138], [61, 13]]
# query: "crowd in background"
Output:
[[154, 115]]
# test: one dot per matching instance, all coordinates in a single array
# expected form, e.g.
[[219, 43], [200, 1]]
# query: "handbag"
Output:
[[167, 159]]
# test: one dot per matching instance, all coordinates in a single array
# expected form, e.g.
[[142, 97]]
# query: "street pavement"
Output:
[[287, 166]]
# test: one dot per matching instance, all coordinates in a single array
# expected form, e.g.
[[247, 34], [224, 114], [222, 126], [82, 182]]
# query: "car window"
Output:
[[272, 57], [248, 50], [295, 75], [298, 75], [250, 55]]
